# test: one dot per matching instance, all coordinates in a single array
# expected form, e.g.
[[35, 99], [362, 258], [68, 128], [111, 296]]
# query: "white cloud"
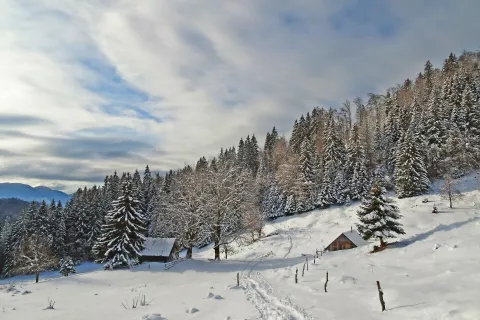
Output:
[[213, 70]]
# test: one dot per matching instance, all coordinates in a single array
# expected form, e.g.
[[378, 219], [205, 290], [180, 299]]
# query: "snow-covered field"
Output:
[[432, 273]]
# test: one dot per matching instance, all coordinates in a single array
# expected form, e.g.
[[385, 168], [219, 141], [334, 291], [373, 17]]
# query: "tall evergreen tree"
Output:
[[378, 216], [411, 177], [148, 195], [124, 229], [5, 231]]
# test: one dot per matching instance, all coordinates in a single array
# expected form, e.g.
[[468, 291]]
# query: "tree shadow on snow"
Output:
[[425, 235], [407, 305], [230, 265]]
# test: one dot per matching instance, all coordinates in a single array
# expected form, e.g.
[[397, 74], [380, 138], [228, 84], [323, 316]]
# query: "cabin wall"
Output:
[[341, 243]]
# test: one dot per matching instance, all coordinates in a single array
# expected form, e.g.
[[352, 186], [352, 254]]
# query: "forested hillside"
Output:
[[11, 207], [424, 129]]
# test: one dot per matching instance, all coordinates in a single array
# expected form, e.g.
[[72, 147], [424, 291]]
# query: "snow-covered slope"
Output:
[[433, 272]]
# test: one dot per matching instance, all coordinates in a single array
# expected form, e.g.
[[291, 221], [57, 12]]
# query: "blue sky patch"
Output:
[[366, 18]]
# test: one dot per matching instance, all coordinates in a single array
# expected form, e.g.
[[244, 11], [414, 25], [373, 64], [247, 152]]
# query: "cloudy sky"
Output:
[[90, 86]]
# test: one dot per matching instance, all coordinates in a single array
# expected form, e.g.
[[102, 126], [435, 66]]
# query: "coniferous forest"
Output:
[[404, 138]]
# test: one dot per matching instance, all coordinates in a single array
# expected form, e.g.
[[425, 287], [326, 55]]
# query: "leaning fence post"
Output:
[[380, 296], [303, 271], [306, 262], [326, 281]]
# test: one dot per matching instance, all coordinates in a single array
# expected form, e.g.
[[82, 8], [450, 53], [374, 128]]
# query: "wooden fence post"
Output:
[[306, 262], [380, 296], [296, 276], [238, 279], [303, 271], [326, 283]]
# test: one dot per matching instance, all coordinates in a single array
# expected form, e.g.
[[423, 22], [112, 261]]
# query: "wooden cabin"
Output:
[[159, 250], [346, 240]]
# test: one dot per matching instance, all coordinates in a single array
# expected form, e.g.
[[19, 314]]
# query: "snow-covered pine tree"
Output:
[[333, 161], [124, 229], [435, 133], [254, 161], [297, 137], [410, 174], [82, 219], [41, 222], [290, 205], [307, 176], [471, 106], [58, 245], [356, 170], [148, 195], [97, 218], [5, 232], [241, 152], [67, 267], [114, 188], [378, 216], [202, 164], [459, 156]]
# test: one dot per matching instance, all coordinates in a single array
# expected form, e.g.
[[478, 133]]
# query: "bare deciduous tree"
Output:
[[449, 190], [34, 256], [232, 194], [185, 209]]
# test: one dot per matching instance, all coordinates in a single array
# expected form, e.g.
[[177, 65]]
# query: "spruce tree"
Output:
[[254, 161], [333, 162], [296, 138], [67, 267], [411, 177], [58, 246], [5, 231], [290, 205], [307, 176], [378, 216], [148, 194], [124, 229]]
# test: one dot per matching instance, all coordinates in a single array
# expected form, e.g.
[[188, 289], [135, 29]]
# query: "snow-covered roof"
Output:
[[158, 247], [355, 237]]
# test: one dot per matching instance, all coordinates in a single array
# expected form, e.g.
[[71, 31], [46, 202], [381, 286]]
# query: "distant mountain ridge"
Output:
[[29, 193]]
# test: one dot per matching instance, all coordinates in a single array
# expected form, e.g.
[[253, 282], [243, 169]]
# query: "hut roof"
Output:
[[355, 237], [158, 247]]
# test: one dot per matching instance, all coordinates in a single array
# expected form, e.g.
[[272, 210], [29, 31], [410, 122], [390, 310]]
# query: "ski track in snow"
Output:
[[268, 304], [261, 294]]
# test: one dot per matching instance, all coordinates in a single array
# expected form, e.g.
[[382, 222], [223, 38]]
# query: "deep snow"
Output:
[[432, 273]]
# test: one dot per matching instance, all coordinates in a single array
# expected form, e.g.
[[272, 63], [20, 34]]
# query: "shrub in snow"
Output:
[[51, 304], [67, 266]]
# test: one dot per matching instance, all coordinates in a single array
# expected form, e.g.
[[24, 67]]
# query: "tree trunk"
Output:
[[216, 237], [226, 252], [37, 276], [189, 252], [450, 199], [217, 251], [382, 243]]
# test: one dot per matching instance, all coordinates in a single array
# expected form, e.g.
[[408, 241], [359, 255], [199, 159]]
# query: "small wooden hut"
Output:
[[159, 250], [346, 240]]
